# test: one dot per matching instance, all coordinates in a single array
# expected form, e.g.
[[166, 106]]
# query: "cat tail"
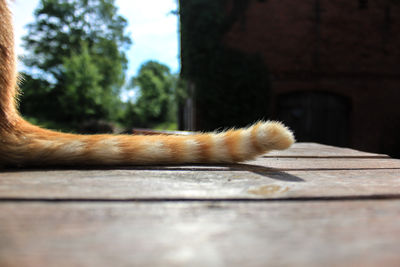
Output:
[[23, 144], [31, 145], [8, 70]]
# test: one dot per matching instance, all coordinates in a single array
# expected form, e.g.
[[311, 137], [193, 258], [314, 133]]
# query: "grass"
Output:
[[171, 126]]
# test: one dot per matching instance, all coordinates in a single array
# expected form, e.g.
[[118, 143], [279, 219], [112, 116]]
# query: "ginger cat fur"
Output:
[[23, 144]]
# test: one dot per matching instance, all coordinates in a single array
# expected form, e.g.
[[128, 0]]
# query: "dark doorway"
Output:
[[316, 117]]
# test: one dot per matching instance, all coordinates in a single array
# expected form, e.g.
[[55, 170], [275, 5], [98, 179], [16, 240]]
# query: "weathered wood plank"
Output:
[[336, 233], [253, 182], [322, 151], [284, 177], [326, 163]]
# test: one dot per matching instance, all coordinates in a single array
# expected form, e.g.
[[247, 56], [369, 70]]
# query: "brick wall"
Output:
[[347, 48]]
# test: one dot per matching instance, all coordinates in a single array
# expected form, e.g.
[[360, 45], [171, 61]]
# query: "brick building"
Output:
[[334, 66]]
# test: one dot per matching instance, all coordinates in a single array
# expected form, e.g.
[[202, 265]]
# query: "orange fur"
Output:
[[23, 144], [253, 138], [232, 138], [205, 146]]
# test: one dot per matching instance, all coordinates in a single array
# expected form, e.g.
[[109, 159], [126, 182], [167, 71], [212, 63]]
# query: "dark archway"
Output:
[[316, 117]]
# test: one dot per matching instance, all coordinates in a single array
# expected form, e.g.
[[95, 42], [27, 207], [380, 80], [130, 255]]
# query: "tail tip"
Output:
[[278, 135]]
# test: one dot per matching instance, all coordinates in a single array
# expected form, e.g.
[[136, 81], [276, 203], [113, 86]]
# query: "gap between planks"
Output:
[[327, 157], [287, 199]]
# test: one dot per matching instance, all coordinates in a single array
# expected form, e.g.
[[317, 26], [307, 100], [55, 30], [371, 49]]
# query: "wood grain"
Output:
[[198, 184], [355, 233], [326, 163], [315, 150], [312, 205]]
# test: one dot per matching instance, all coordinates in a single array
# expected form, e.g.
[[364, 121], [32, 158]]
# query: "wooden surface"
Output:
[[312, 205]]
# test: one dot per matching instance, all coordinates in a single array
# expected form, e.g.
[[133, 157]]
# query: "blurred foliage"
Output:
[[158, 91], [75, 53], [232, 87]]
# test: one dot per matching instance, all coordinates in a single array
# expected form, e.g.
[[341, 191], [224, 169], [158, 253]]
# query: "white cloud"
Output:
[[153, 29]]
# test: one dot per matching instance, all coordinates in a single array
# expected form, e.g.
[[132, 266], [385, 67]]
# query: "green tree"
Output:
[[75, 51], [156, 102], [81, 82]]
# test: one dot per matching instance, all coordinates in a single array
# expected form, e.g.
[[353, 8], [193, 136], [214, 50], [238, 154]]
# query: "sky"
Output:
[[152, 28]]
